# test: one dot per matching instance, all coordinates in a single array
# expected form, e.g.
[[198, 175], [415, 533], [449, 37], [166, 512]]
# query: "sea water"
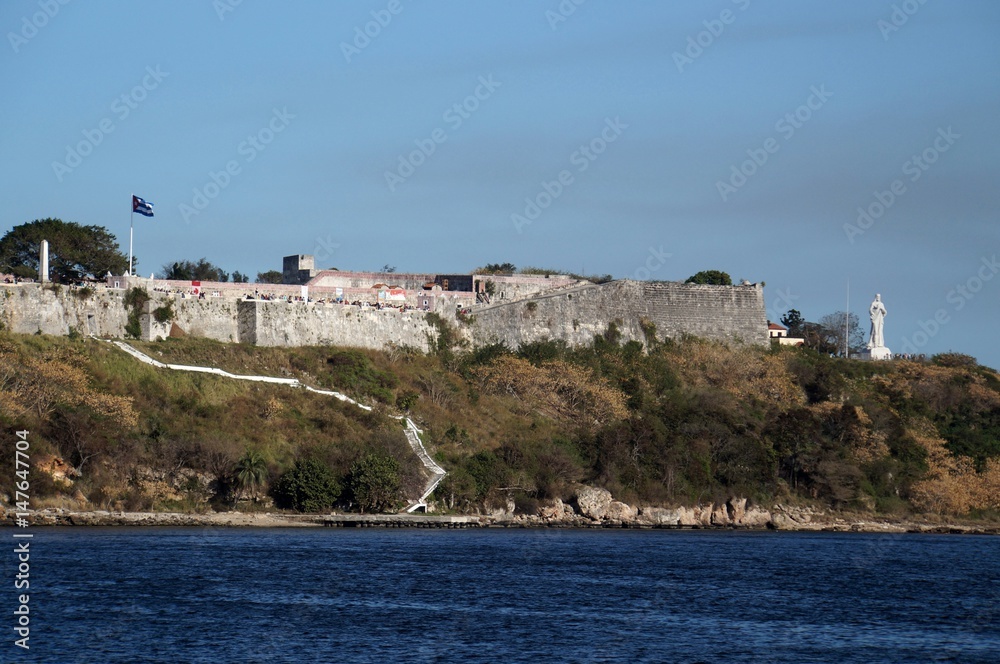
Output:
[[373, 595]]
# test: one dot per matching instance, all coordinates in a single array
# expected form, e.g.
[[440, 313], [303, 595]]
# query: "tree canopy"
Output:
[[269, 277], [310, 486], [75, 251], [250, 472], [200, 271], [793, 320], [713, 277], [374, 483], [497, 268], [826, 336], [834, 328]]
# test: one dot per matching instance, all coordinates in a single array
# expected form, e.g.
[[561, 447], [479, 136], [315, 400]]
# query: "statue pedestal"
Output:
[[877, 353]]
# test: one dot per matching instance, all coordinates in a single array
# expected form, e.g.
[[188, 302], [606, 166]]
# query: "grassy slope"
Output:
[[685, 422]]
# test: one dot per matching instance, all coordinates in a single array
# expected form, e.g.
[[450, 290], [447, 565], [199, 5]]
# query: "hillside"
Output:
[[681, 423]]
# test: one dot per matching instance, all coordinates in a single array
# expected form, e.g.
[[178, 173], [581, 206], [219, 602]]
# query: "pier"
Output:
[[398, 521]]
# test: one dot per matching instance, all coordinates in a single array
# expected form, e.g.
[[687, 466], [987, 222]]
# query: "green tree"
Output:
[[269, 277], [793, 320], [309, 486], [240, 278], [497, 268], [713, 277], [250, 473], [75, 251], [375, 484], [189, 271]]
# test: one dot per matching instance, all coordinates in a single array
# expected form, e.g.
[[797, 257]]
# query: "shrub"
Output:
[[165, 313], [447, 337], [352, 370], [959, 360], [309, 486], [406, 400], [135, 299], [374, 483]]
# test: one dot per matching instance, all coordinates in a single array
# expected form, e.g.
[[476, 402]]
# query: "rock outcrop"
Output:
[[660, 516], [593, 502], [619, 512]]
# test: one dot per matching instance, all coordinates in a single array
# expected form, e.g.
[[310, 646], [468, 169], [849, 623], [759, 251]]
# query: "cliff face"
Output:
[[573, 315]]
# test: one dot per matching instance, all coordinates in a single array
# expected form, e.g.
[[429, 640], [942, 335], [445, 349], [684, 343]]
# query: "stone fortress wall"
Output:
[[568, 310], [576, 315]]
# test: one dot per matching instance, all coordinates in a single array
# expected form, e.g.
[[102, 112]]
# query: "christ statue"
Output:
[[877, 312]]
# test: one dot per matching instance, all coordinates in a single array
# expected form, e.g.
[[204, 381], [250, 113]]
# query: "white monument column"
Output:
[[43, 262]]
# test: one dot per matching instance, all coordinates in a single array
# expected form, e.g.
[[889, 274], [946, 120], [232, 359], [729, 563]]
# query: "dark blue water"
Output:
[[335, 595]]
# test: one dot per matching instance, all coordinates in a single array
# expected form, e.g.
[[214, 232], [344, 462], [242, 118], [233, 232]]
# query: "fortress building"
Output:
[[379, 309]]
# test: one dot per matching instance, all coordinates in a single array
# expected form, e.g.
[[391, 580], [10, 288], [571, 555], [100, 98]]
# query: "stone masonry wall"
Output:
[[32, 308], [280, 323], [284, 324], [522, 286], [575, 315]]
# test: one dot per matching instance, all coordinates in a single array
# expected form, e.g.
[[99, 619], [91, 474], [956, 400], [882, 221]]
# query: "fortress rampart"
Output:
[[571, 313], [577, 314]]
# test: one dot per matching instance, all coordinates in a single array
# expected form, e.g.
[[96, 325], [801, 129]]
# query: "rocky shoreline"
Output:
[[590, 508], [594, 507]]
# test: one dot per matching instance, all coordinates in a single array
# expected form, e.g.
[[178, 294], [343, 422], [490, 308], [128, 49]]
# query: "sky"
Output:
[[830, 150]]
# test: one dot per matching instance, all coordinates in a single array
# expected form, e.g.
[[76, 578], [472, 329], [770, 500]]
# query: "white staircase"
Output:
[[412, 432]]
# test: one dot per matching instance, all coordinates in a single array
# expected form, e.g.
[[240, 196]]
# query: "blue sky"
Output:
[[656, 139]]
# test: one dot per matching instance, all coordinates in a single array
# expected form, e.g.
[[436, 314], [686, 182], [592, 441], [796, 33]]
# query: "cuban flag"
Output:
[[142, 207]]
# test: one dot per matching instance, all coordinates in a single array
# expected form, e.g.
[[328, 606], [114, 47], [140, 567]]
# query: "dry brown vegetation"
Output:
[[676, 422]]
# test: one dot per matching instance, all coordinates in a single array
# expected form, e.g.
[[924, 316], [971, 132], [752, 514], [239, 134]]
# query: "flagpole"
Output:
[[131, 216], [847, 323]]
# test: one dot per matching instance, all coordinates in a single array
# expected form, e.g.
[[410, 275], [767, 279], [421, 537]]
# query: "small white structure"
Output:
[[780, 334]]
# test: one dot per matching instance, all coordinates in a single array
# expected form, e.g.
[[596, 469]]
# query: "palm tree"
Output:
[[250, 473]]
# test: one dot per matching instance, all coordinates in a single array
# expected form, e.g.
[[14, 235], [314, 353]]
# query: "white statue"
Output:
[[877, 312]]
